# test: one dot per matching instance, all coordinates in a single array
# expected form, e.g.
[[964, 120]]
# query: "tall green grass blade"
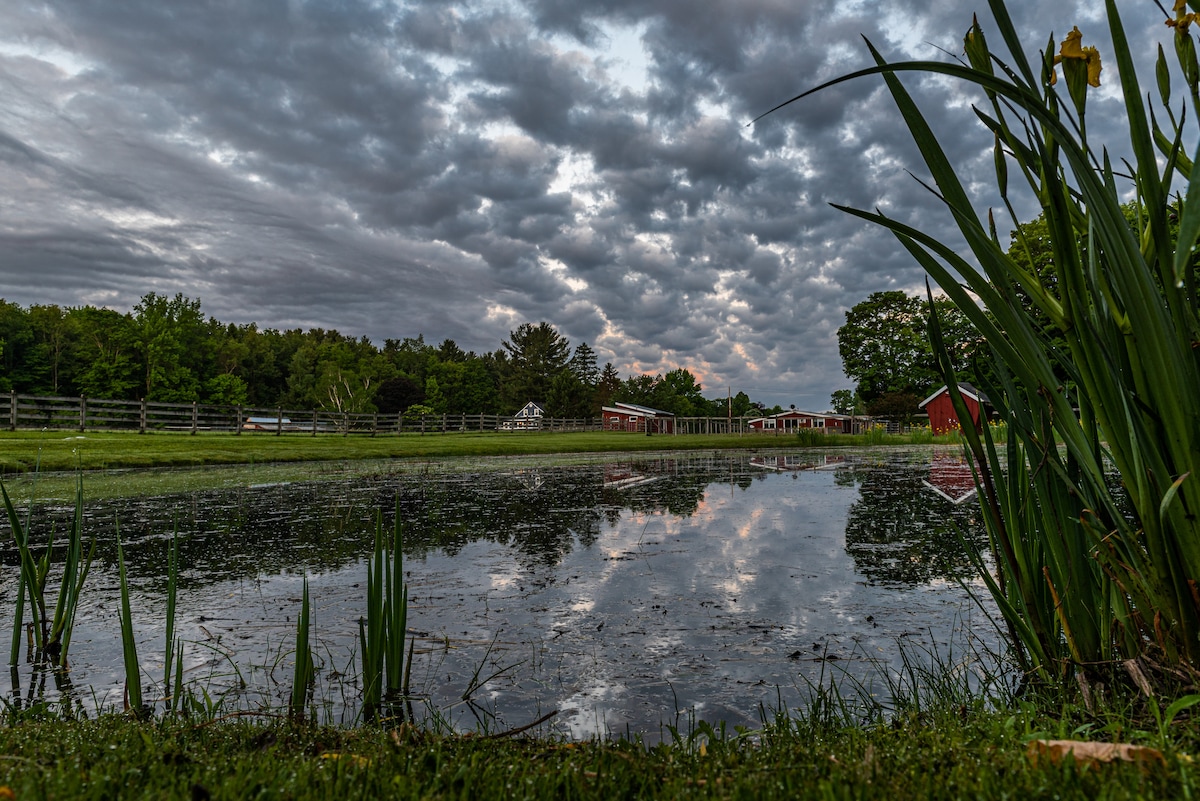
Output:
[[18, 619], [302, 677], [176, 695], [371, 630], [76, 567], [29, 574], [172, 588], [382, 633], [397, 614], [133, 671]]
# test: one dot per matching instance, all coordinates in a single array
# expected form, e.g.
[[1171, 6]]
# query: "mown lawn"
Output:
[[953, 754], [23, 451]]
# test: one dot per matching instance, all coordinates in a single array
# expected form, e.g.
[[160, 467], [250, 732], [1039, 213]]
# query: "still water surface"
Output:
[[626, 593]]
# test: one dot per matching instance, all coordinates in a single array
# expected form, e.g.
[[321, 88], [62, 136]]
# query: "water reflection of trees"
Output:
[[901, 531], [897, 531], [541, 513], [544, 513]]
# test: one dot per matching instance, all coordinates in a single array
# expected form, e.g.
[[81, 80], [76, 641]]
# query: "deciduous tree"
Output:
[[885, 347], [170, 341]]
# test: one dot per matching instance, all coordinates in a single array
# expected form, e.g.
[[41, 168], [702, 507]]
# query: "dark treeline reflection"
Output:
[[901, 530], [542, 513], [896, 531]]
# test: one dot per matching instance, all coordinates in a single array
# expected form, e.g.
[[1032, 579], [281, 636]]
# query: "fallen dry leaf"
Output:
[[1090, 754]]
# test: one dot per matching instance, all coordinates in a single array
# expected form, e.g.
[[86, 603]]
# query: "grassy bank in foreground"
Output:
[[21, 451], [955, 754]]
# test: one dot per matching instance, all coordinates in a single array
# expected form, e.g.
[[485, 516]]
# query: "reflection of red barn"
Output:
[[624, 476], [939, 407], [799, 462], [631, 417], [950, 476], [794, 420]]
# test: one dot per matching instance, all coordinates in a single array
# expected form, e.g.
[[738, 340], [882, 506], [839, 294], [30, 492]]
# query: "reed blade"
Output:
[[133, 671], [302, 677]]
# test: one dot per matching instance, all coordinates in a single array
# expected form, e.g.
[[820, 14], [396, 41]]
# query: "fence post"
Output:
[[82, 414], [278, 420], [374, 424], [142, 418], [237, 424], [12, 411], [314, 431], [399, 423], [195, 417], [345, 424]]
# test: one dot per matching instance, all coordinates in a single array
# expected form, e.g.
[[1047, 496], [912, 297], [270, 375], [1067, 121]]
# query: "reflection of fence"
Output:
[[93, 414]]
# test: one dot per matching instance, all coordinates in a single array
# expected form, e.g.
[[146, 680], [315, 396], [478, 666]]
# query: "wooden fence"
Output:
[[29, 412]]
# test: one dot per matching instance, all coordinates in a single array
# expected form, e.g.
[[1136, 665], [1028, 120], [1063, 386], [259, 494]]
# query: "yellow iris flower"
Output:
[[1072, 48], [1182, 18]]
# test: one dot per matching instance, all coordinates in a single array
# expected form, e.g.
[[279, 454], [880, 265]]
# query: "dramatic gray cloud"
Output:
[[454, 169]]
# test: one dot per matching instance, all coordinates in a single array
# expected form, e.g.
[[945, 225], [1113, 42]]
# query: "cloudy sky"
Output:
[[456, 169]]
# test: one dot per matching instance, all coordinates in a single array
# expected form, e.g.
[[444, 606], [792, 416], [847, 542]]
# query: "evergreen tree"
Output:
[[608, 385], [583, 365], [536, 354]]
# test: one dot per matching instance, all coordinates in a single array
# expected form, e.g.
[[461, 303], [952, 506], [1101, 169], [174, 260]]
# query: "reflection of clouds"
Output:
[[504, 581], [753, 520], [582, 605]]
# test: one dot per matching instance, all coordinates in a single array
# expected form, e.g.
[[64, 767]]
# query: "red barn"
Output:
[[942, 417], [632, 417], [793, 420]]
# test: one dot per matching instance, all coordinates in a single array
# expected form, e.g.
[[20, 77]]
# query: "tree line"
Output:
[[167, 350]]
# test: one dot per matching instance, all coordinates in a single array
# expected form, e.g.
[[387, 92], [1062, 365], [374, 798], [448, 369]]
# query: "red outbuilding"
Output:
[[793, 420], [632, 417], [940, 408]]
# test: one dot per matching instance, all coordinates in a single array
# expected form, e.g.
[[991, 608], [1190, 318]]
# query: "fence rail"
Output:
[[30, 412]]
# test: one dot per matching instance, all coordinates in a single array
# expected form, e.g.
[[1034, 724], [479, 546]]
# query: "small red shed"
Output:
[[940, 408], [632, 417]]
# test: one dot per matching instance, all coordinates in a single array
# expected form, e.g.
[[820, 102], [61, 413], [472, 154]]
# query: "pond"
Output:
[[624, 593]]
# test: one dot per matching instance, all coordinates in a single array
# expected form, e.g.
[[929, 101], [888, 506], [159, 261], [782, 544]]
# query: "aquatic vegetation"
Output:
[[133, 670], [382, 634], [1095, 357], [51, 632], [173, 653], [303, 675]]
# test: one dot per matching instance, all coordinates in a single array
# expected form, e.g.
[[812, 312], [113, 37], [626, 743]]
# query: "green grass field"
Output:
[[947, 753], [23, 452]]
